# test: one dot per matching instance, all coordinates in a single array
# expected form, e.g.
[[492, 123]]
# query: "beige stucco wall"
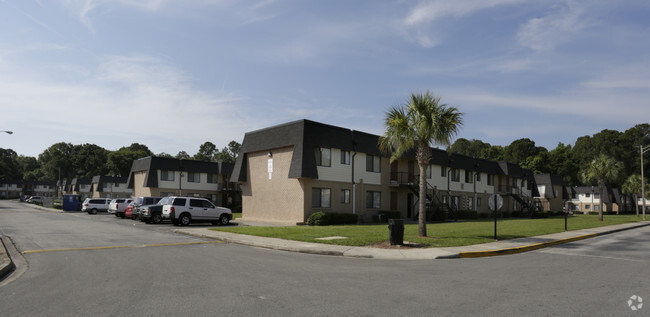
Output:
[[138, 185], [278, 199]]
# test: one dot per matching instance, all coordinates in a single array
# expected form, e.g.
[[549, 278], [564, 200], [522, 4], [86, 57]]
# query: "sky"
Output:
[[175, 74]]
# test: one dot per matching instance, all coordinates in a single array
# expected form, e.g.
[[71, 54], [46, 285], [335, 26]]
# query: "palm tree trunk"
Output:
[[422, 219]]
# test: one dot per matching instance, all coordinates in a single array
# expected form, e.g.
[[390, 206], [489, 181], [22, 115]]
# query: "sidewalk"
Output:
[[479, 250]]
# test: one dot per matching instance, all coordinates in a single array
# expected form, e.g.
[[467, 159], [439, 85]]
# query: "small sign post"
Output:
[[495, 203]]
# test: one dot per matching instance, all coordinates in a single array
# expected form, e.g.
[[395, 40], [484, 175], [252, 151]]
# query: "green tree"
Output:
[[521, 149], [229, 153], [182, 155], [417, 125], [473, 148], [121, 161], [28, 165], [163, 154], [89, 160], [493, 153], [55, 160], [561, 162], [602, 169], [207, 152], [9, 167], [632, 186]]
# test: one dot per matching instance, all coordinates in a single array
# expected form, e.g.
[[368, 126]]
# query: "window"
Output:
[[478, 202], [514, 182], [193, 177], [179, 202], [443, 171], [470, 203], [455, 175], [166, 175], [345, 196], [345, 157], [596, 196], [212, 178], [587, 207], [596, 207], [587, 195], [429, 168], [320, 197], [478, 177], [373, 163], [469, 177], [373, 200], [490, 180], [323, 156]]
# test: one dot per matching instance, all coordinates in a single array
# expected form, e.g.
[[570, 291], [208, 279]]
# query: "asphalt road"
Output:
[[593, 277]]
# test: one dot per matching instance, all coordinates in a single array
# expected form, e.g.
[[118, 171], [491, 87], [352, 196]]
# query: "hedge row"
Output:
[[329, 218]]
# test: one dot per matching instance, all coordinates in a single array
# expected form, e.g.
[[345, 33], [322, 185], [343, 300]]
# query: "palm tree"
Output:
[[417, 125], [602, 169], [632, 186]]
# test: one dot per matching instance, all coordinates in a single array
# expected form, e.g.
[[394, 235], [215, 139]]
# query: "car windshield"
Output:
[[163, 201]]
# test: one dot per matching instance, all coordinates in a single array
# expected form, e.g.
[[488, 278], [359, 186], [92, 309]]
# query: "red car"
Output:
[[128, 212]]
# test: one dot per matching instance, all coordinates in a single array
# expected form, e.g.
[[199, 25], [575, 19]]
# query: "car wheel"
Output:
[[122, 215], [156, 218], [185, 219], [93, 211], [224, 220]]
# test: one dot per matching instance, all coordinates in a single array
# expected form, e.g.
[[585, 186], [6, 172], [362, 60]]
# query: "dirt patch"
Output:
[[387, 245]]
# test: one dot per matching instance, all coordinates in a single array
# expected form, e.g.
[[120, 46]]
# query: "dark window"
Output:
[[373, 199], [469, 176], [320, 197], [345, 196], [443, 171], [323, 156], [345, 157], [196, 203], [212, 178], [490, 180], [373, 163], [455, 175], [166, 175], [194, 177], [179, 202]]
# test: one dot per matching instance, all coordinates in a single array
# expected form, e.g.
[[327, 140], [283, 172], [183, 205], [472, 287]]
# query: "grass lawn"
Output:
[[236, 215], [440, 234]]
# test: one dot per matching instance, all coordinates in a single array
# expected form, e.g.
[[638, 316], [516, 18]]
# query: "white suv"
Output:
[[185, 210], [93, 205]]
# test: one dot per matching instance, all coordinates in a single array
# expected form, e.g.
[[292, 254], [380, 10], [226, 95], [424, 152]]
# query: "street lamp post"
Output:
[[647, 148]]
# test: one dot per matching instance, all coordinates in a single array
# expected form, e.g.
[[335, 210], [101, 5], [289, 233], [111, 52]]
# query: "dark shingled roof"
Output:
[[588, 189], [551, 180], [152, 163], [304, 135]]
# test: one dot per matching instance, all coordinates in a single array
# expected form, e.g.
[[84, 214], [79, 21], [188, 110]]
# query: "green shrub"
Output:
[[516, 214], [467, 214], [329, 218], [484, 215], [593, 213], [505, 214]]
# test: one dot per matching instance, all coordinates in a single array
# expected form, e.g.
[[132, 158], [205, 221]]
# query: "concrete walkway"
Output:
[[478, 250]]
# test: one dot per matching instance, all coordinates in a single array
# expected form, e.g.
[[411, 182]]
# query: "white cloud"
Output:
[[428, 11], [545, 33], [122, 100]]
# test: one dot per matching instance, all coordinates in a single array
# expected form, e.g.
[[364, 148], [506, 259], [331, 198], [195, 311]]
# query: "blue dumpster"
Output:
[[71, 202]]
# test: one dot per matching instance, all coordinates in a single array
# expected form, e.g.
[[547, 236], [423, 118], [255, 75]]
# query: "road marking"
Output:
[[121, 247]]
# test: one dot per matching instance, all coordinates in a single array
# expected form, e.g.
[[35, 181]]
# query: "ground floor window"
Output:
[[320, 197], [596, 207], [470, 203], [478, 202], [587, 207], [373, 200], [345, 196]]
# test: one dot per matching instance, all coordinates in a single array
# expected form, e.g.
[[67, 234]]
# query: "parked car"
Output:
[[35, 200], [153, 213], [95, 205], [128, 212], [142, 201], [185, 210], [117, 206]]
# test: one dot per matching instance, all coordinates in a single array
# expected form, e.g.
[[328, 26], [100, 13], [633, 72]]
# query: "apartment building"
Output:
[[552, 192], [587, 199], [110, 187], [81, 186], [39, 188], [291, 170], [159, 176], [10, 189]]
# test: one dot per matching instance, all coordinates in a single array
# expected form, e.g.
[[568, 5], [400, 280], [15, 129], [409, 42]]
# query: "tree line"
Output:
[[66, 161], [571, 162]]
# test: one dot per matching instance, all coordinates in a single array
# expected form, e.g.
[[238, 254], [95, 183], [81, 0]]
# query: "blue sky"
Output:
[[174, 74]]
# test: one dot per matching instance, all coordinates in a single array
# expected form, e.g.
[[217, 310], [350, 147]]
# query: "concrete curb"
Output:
[[531, 247], [6, 263], [472, 251]]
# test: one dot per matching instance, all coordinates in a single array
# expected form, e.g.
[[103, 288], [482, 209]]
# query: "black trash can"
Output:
[[396, 229]]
